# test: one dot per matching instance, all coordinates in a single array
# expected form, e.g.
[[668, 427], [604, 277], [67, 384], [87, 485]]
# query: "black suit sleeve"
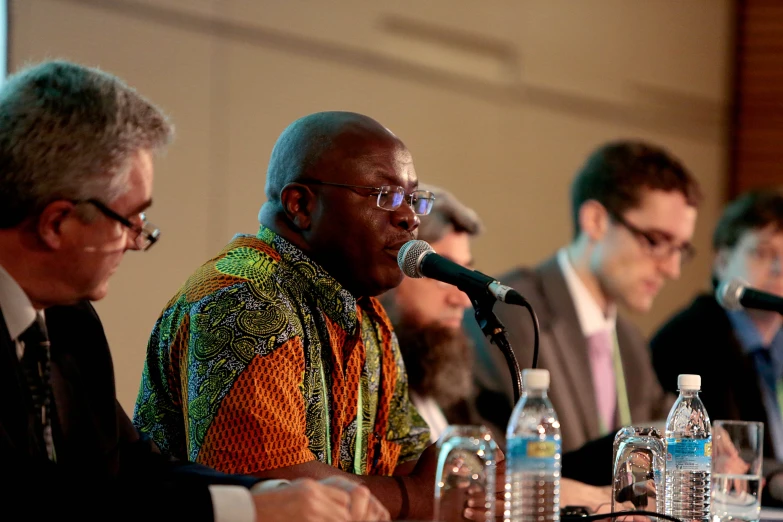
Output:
[[151, 487], [592, 463], [43, 491], [105, 469]]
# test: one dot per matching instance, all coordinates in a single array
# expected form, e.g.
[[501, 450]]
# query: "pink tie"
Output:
[[599, 349]]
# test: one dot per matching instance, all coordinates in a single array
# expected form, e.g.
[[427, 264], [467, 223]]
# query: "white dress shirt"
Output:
[[229, 503], [591, 318], [431, 413]]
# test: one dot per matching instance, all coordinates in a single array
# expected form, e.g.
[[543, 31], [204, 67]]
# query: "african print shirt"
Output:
[[262, 360]]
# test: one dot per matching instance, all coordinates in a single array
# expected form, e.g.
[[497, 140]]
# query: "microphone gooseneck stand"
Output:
[[496, 332]]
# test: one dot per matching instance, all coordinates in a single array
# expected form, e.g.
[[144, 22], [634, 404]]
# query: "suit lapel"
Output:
[[569, 344], [86, 434], [68, 430], [13, 412]]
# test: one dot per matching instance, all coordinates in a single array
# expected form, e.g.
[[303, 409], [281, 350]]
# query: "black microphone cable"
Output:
[[536, 330], [617, 514]]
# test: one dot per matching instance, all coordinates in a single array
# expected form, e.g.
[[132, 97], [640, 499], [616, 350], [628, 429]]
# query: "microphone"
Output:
[[417, 258], [736, 294]]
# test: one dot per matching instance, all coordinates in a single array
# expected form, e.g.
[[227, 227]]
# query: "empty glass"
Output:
[[638, 471], [466, 470], [737, 452]]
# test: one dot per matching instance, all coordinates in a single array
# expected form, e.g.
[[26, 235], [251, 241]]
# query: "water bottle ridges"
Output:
[[689, 455], [533, 459]]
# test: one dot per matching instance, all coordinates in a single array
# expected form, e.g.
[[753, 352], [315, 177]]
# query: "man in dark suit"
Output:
[[739, 354], [634, 212], [76, 149]]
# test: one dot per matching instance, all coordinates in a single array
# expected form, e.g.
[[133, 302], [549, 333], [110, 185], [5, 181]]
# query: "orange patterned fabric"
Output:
[[262, 361], [262, 408]]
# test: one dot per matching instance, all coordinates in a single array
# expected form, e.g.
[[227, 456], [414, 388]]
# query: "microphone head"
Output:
[[410, 255], [729, 293]]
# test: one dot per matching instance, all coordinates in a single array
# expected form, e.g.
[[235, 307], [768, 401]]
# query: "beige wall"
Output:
[[498, 100]]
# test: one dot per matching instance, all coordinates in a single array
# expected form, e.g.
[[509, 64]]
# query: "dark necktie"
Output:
[[36, 365]]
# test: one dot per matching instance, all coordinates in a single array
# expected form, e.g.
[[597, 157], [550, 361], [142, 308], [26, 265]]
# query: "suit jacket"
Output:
[[104, 470], [562, 351]]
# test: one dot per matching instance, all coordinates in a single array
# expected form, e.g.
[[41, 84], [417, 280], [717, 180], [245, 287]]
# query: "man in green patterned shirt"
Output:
[[275, 358]]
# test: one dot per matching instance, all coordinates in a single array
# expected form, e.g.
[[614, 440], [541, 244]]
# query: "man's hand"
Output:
[[475, 496], [305, 500], [596, 499], [363, 505]]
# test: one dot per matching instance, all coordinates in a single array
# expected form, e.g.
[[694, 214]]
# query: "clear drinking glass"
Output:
[[638, 470], [466, 470], [737, 452]]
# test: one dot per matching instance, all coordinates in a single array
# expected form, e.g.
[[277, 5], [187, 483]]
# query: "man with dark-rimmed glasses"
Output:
[[275, 358], [634, 212]]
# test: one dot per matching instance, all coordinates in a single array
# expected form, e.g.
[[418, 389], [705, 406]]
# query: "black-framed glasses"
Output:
[[146, 233], [655, 243], [390, 197]]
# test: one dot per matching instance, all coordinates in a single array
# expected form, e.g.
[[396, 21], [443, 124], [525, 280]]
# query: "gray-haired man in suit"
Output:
[[634, 212]]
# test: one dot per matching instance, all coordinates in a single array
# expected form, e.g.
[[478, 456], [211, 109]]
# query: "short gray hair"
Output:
[[448, 214], [70, 132]]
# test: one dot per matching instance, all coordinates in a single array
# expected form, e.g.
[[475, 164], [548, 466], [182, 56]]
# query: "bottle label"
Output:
[[533, 454], [688, 454]]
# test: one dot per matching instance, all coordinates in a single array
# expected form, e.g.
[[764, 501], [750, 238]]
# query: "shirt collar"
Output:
[[18, 311], [748, 335], [334, 300], [591, 318]]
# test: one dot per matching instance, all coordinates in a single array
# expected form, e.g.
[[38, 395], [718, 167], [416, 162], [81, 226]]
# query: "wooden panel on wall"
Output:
[[758, 127]]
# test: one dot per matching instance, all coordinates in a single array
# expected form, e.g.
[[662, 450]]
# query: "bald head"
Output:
[[313, 146], [326, 177]]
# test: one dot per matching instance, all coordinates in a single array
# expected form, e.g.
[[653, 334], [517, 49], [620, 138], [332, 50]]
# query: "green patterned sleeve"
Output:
[[158, 411], [410, 430]]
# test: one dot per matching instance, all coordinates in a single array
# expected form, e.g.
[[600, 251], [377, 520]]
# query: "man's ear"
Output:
[[593, 220], [53, 224], [298, 203]]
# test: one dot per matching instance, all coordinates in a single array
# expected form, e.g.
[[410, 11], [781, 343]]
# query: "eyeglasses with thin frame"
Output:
[[390, 197], [657, 247], [147, 234]]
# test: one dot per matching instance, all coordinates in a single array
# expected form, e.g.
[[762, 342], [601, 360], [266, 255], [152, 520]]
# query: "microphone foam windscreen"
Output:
[[729, 293], [410, 255]]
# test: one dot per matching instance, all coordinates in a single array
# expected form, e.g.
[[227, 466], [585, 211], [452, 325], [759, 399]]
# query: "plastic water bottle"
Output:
[[533, 454], [688, 454]]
